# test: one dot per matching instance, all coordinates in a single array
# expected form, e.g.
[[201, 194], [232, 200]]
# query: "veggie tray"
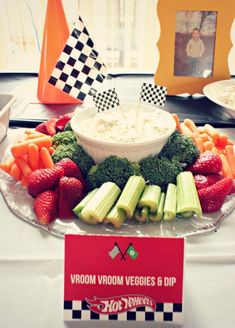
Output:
[[21, 204], [49, 181]]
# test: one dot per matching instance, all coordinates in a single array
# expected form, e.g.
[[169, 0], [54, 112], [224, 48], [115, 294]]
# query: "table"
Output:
[[31, 274]]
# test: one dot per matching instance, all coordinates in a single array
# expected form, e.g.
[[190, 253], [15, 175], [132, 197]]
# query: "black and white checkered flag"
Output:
[[106, 100], [114, 252], [153, 94], [79, 69]]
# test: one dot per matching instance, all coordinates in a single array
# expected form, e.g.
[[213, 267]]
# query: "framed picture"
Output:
[[194, 43]]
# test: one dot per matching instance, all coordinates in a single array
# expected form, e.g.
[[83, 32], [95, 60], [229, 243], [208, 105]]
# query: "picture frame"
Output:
[[211, 21]]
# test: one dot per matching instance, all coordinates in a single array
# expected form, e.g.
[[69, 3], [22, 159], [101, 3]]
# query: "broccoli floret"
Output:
[[181, 148], [160, 170], [63, 138], [68, 126], [112, 169], [76, 153]]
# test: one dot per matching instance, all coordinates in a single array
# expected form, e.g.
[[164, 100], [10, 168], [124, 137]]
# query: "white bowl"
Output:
[[135, 151], [214, 90]]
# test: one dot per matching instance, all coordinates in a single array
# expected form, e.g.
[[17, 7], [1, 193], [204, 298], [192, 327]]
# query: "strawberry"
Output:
[[200, 181], [212, 197], [232, 191], [62, 121], [48, 127], [45, 206], [51, 126], [44, 179], [71, 169], [41, 128], [71, 193], [213, 178], [206, 163]]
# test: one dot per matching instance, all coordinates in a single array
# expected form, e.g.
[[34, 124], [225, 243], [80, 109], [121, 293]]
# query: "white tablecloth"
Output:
[[31, 275]]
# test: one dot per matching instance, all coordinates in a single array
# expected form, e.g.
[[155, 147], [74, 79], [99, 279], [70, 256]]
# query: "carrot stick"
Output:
[[204, 137], [208, 145], [215, 150], [4, 167], [51, 150], [24, 181], [26, 169], [229, 151], [9, 162], [45, 158], [201, 129], [34, 135], [212, 132], [177, 121], [31, 131], [223, 140], [22, 148], [190, 124], [16, 172], [33, 156], [199, 145], [185, 130], [226, 169]]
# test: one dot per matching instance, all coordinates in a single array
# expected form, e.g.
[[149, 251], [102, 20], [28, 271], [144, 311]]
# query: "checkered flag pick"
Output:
[[153, 94], [106, 100], [79, 69], [114, 252]]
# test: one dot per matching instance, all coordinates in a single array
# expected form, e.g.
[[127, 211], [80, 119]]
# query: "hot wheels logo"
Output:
[[117, 304]]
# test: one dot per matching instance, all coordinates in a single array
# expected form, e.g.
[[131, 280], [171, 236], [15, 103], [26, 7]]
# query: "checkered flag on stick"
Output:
[[106, 100], [153, 94], [114, 251], [79, 69]]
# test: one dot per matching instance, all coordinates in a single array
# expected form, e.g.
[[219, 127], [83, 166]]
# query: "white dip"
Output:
[[228, 95], [113, 127]]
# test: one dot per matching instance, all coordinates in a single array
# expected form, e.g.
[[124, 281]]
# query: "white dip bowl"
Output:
[[101, 146]]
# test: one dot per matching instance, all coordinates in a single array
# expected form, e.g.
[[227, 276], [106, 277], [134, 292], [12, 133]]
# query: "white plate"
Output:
[[21, 204], [215, 89]]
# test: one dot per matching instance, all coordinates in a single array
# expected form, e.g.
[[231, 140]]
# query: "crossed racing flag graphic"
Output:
[[133, 254]]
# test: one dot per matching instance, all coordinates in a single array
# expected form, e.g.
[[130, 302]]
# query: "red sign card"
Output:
[[123, 278]]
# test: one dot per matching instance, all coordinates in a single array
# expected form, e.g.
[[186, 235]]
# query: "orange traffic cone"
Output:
[[56, 33]]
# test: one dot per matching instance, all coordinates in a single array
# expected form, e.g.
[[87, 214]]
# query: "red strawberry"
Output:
[[63, 120], [51, 126], [206, 163], [200, 181], [232, 191], [71, 193], [212, 197], [71, 169], [41, 128], [213, 178], [45, 206], [44, 179]]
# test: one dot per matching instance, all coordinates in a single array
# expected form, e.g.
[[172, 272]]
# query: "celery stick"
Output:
[[115, 216], [150, 197], [100, 204], [186, 215], [90, 220], [142, 215], [159, 214], [187, 196], [170, 203], [145, 213], [80, 206], [131, 195]]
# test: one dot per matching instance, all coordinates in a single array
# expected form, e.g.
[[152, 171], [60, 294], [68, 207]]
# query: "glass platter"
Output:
[[21, 204]]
